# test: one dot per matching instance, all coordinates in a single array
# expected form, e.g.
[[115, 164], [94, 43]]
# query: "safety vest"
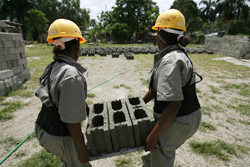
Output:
[[190, 103]]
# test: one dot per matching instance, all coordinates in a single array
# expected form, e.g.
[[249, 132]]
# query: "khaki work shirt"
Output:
[[68, 89], [171, 74]]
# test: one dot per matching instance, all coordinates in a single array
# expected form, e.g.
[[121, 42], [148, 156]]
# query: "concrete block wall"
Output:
[[115, 125], [233, 46], [12, 55]]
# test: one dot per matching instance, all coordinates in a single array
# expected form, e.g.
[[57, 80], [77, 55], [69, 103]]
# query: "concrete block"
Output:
[[97, 132], [17, 69], [8, 44], [25, 66], [7, 83], [14, 63], [1, 44], [142, 120], [6, 51], [25, 71], [3, 36], [2, 58], [16, 81], [2, 85], [120, 125], [22, 43], [247, 56], [1, 51], [4, 91], [22, 61], [10, 57], [9, 36], [17, 36], [9, 64], [3, 65], [17, 43], [5, 74], [19, 50], [25, 77], [14, 87]]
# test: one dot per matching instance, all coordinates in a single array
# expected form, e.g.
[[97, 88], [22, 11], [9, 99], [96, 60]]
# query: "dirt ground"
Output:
[[104, 68]]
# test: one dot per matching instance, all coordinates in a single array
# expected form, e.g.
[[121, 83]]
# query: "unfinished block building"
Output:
[[118, 124], [13, 63]]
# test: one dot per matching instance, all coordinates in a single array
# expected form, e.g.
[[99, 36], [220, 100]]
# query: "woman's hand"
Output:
[[151, 143], [83, 156]]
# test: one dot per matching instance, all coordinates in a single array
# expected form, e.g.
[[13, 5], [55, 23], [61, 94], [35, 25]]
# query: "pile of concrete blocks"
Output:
[[128, 55], [116, 125], [8, 82], [12, 55], [229, 45]]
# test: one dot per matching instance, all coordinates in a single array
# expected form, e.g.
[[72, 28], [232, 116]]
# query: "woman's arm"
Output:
[[167, 117], [75, 131], [149, 96]]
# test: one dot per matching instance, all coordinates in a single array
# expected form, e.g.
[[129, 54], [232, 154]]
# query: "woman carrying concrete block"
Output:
[[172, 85], [63, 90]]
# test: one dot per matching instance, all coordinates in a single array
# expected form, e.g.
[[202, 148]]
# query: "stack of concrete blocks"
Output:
[[117, 125], [233, 46], [12, 55], [8, 82]]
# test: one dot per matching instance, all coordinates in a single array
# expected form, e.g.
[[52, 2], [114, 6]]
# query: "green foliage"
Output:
[[191, 12], [91, 95], [214, 89], [242, 108], [10, 141], [120, 31], [120, 162], [41, 158], [37, 23], [239, 26]]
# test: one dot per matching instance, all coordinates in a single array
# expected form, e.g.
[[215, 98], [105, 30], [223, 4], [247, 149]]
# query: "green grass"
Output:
[[20, 154], [198, 90], [91, 95], [122, 162], [9, 107], [217, 108], [204, 126], [245, 122], [206, 110], [116, 87], [144, 81], [243, 88], [10, 141], [42, 159], [242, 108], [220, 149], [231, 120], [214, 89]]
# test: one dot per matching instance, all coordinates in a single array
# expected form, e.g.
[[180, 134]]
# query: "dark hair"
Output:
[[68, 47], [171, 38]]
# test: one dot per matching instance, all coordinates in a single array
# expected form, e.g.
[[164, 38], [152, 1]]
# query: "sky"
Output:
[[96, 6]]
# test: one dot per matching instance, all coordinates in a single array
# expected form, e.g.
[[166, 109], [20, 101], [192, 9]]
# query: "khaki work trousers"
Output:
[[177, 133], [63, 147]]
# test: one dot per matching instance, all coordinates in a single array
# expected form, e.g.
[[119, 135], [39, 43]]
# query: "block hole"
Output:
[[98, 108], [139, 113], [134, 100], [119, 117], [116, 105], [97, 121]]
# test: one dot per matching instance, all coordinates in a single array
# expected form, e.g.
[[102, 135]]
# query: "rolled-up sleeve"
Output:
[[169, 85], [72, 107]]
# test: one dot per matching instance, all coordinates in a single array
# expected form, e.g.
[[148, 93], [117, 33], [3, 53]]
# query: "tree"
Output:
[[232, 9], [49, 8], [92, 23], [191, 13], [16, 10], [38, 23], [138, 15], [70, 9], [208, 12], [120, 31]]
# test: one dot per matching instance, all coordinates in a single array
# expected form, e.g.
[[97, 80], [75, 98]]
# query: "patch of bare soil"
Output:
[[104, 68]]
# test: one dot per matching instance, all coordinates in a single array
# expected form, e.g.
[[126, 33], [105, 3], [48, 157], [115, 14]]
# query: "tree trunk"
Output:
[[228, 24]]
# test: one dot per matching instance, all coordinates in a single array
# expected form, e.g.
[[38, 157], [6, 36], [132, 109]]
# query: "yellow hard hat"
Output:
[[64, 28], [171, 18]]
